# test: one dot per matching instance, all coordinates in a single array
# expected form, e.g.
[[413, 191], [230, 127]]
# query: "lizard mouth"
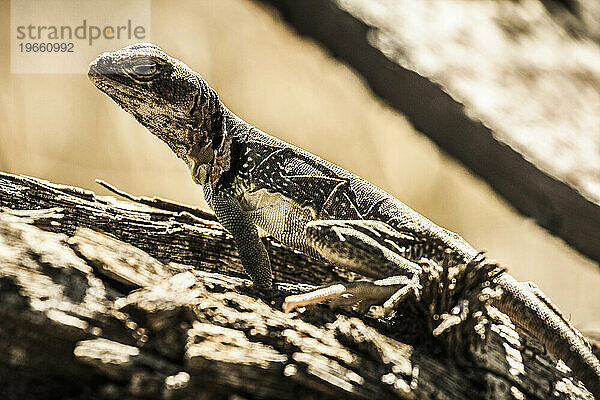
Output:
[[110, 82], [97, 73], [100, 74]]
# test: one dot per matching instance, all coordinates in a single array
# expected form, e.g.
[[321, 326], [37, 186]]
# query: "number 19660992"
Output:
[[46, 47]]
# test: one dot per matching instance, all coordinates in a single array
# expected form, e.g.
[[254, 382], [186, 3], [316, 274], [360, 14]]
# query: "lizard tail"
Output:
[[531, 310]]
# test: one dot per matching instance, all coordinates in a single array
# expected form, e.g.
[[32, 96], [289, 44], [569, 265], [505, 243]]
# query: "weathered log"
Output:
[[85, 314]]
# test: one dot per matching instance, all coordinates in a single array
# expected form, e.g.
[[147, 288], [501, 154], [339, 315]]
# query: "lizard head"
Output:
[[171, 100]]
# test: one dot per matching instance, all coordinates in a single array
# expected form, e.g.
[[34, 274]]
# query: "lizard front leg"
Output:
[[251, 249], [360, 246]]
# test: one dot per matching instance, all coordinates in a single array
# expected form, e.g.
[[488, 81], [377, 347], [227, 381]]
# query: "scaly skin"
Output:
[[251, 178]]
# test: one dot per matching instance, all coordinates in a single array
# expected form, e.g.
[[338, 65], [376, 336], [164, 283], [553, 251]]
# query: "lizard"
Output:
[[250, 178]]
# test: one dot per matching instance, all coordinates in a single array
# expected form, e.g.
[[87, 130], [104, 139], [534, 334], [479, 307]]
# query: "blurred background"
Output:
[[59, 127]]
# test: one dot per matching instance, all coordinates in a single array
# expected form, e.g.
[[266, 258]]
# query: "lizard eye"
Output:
[[144, 67]]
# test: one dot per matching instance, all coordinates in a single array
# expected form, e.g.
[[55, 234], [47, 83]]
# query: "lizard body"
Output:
[[253, 179]]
